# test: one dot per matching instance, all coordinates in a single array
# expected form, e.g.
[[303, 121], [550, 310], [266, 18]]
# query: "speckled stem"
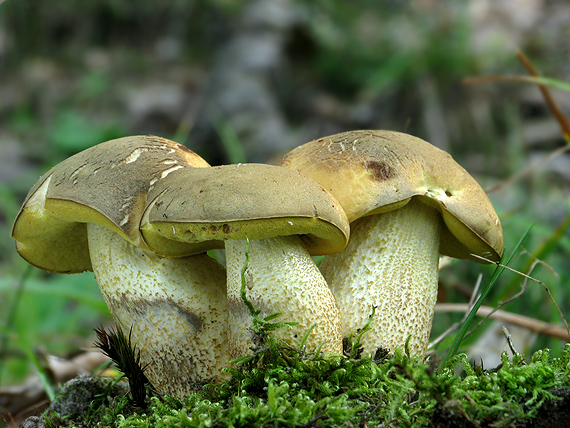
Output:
[[176, 308], [280, 277], [391, 263]]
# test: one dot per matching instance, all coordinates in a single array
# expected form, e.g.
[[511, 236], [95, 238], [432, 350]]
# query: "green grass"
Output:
[[48, 315], [501, 266]]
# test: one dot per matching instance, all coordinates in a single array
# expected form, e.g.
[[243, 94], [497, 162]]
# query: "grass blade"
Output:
[[496, 274]]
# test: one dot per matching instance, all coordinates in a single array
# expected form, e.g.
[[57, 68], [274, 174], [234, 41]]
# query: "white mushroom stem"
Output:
[[281, 277], [390, 263], [174, 309]]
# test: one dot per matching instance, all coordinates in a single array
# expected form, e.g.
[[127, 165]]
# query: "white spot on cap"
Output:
[[39, 196], [135, 154], [75, 174], [166, 147], [437, 194], [169, 170], [126, 204], [124, 220]]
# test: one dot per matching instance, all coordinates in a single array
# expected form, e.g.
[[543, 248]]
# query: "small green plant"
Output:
[[261, 326], [127, 357], [286, 388]]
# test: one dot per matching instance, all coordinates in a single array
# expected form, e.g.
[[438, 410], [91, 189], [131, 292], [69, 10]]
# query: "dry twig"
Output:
[[532, 324], [552, 105]]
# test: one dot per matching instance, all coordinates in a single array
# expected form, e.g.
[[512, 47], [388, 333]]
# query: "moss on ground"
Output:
[[282, 387]]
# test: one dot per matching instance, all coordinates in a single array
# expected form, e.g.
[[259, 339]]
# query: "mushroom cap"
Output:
[[106, 184], [204, 207], [371, 172]]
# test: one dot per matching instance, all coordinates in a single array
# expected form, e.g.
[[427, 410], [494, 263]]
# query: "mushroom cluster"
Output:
[[140, 212]]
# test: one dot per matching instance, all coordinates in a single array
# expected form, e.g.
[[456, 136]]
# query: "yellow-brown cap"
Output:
[[201, 208], [371, 171], [106, 184]]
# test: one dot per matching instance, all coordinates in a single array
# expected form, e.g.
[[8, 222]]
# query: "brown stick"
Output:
[[532, 324], [561, 119], [552, 105]]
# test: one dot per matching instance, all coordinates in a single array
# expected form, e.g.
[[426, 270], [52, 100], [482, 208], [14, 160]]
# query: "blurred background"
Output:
[[243, 81]]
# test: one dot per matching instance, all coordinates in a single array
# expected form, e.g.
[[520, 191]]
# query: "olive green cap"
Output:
[[201, 208], [106, 184], [372, 172]]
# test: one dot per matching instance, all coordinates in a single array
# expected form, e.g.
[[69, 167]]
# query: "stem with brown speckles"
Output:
[[281, 277], [176, 308], [390, 263]]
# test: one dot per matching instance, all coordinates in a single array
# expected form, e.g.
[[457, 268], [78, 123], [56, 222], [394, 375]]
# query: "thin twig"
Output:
[[453, 327], [529, 169], [509, 338], [532, 324], [512, 298], [541, 262], [552, 105], [527, 277], [468, 397], [509, 268]]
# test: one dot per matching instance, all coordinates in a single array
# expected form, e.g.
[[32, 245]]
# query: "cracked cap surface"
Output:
[[106, 184], [372, 172]]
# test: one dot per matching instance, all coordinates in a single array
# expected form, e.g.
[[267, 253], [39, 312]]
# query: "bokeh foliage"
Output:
[[387, 65]]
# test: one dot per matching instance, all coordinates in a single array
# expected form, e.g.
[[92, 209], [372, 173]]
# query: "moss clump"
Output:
[[283, 387], [88, 401]]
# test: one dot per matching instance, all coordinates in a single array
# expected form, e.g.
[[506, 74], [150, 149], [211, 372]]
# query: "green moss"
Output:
[[281, 387]]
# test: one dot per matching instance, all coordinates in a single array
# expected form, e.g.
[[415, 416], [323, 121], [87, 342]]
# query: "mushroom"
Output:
[[84, 214], [407, 201], [285, 216]]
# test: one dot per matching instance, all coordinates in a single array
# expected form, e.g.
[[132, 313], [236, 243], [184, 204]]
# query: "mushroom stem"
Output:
[[174, 309], [281, 277], [390, 263]]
